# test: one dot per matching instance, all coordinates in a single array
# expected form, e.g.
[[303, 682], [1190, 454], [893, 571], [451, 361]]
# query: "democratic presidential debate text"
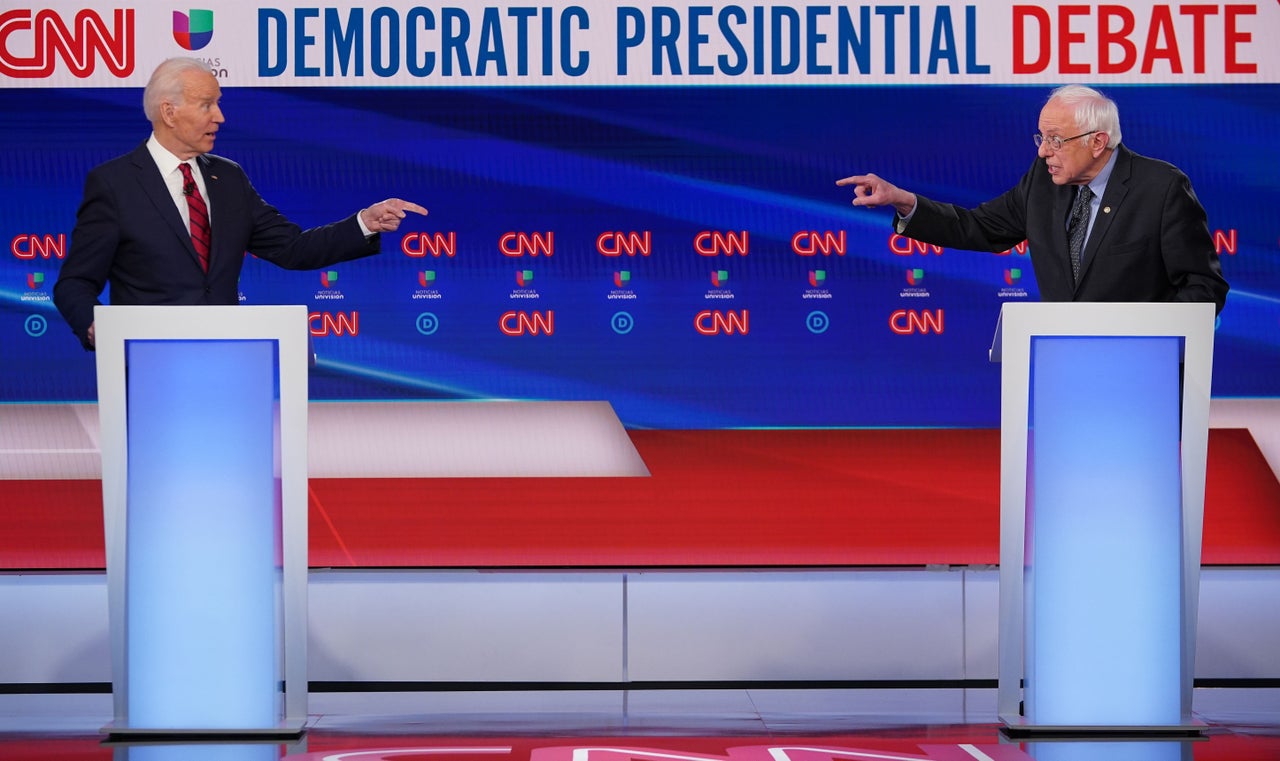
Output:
[[473, 43]]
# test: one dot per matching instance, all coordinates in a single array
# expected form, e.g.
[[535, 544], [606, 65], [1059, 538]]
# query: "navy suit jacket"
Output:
[[129, 233], [1150, 239]]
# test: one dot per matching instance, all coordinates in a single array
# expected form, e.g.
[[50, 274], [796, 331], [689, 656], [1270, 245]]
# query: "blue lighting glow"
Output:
[[203, 569], [1103, 562]]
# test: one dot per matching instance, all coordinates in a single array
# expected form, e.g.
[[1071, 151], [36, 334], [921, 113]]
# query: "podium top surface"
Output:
[[1019, 320], [119, 323]]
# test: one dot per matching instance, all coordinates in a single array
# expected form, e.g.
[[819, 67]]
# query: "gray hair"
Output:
[[1092, 110], [166, 84]]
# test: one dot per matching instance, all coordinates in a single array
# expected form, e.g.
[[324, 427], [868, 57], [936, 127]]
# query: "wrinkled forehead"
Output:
[[1056, 117], [199, 86]]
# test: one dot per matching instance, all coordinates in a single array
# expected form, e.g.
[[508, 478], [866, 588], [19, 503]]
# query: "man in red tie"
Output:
[[169, 222]]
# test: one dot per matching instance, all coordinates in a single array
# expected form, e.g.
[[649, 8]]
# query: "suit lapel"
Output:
[[1117, 189], [153, 187]]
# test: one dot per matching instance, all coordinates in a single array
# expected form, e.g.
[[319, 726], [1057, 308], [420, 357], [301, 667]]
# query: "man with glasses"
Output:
[[1102, 222]]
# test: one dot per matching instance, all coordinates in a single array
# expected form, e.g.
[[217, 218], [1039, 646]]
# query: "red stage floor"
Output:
[[714, 498], [933, 744], [694, 725]]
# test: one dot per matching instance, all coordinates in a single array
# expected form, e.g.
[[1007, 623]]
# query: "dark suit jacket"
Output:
[[129, 233], [1150, 239]]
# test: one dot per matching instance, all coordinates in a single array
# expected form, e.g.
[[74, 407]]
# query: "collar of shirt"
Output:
[[168, 163], [1099, 184]]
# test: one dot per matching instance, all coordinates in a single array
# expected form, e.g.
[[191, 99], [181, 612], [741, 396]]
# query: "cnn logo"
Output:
[[710, 322], [528, 323], [334, 323], [907, 322]]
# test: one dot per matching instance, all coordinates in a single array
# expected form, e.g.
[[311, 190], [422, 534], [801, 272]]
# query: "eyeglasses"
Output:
[[1055, 142]]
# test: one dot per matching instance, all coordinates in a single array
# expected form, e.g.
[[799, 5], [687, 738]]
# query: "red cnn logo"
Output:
[[904, 322], [528, 324], [714, 243], [419, 245], [812, 243], [334, 324], [42, 246], [48, 36], [610, 243], [533, 244], [1224, 242], [714, 323], [904, 246], [1020, 250]]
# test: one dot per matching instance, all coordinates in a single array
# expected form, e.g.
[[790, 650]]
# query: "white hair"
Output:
[[166, 84], [1092, 109]]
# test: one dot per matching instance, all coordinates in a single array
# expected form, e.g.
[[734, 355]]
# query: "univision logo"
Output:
[[193, 30]]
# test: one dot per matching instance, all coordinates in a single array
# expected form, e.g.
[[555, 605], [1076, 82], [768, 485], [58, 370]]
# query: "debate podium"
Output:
[[203, 415], [1103, 436]]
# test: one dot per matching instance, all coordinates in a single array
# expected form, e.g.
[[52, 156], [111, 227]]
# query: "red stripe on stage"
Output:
[[714, 498], [1242, 502], [51, 524]]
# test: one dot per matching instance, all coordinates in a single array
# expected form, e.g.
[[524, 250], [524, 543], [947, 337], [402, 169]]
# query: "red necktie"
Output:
[[199, 214]]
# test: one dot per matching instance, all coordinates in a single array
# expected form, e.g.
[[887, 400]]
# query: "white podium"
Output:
[[203, 414], [1103, 436]]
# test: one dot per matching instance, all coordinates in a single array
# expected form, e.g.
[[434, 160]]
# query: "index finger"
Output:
[[856, 179], [411, 206]]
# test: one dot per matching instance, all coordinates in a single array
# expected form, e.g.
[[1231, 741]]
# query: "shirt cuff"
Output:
[[900, 223]]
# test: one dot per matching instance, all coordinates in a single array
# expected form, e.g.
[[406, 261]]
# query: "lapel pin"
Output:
[[1105, 209]]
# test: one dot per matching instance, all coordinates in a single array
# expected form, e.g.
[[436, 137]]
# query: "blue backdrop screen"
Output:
[[681, 252]]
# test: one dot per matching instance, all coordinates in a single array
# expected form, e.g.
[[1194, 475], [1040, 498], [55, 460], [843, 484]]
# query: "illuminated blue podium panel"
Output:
[[1104, 429], [203, 425]]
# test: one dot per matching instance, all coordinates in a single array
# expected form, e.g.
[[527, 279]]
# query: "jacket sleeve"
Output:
[[1190, 258], [283, 243], [994, 226], [84, 272]]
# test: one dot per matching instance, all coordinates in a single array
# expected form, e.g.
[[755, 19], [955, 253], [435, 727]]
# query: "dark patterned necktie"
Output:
[[199, 214], [1077, 227]]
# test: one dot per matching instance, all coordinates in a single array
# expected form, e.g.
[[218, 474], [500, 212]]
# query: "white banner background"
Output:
[[467, 44]]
